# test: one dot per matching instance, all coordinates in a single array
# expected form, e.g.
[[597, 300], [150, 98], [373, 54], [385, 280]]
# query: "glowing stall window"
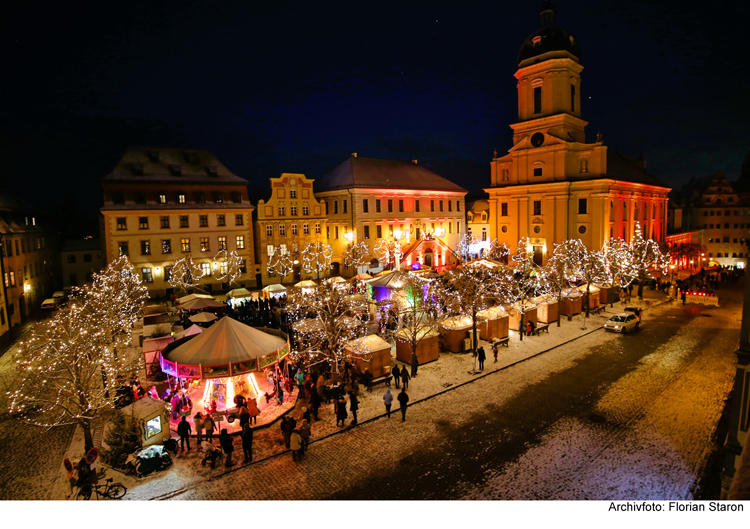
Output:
[[153, 427]]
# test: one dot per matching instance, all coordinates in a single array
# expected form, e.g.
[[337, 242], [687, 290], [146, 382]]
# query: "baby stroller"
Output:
[[210, 454], [152, 459]]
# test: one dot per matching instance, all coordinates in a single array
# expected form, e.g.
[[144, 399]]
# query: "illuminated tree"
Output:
[[464, 248], [185, 274], [589, 266], [280, 263], [357, 255], [335, 324], [560, 271], [641, 258], [416, 314], [528, 281], [316, 258], [226, 267], [69, 367], [498, 251]]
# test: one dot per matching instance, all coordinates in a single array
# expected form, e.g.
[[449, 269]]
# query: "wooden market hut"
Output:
[[546, 308], [493, 323], [515, 319], [373, 353], [571, 303], [453, 332], [594, 298], [428, 348]]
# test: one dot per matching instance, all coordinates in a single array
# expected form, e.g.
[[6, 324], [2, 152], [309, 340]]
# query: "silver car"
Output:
[[623, 323]]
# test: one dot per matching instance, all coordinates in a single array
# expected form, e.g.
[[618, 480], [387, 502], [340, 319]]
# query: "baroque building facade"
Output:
[[552, 185], [163, 204]]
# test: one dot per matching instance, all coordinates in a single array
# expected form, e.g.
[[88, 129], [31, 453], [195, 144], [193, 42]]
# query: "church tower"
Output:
[[552, 185]]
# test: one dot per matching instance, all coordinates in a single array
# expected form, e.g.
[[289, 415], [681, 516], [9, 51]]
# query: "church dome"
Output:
[[550, 37]]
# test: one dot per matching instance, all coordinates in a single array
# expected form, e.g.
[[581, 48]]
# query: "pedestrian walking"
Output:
[[226, 444], [286, 430], [184, 430], [304, 431], [683, 296], [494, 352], [252, 408], [481, 357], [244, 416], [208, 423], [353, 406], [198, 420], [247, 442], [403, 399], [314, 402], [340, 411], [388, 400], [396, 375], [405, 377], [296, 445]]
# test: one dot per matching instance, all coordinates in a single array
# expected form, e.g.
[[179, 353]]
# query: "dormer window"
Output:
[[118, 197], [153, 156], [200, 197], [237, 197], [176, 169], [211, 170], [140, 197], [162, 198], [138, 169], [536, 41]]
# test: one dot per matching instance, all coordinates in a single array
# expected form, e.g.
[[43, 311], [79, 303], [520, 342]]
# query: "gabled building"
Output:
[[553, 185], [478, 220], [372, 199], [161, 204], [288, 221]]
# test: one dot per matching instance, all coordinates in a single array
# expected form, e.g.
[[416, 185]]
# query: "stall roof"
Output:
[[371, 342], [396, 279], [199, 304], [144, 407], [191, 297], [422, 334], [493, 313], [190, 331], [275, 288], [457, 322], [239, 293], [594, 289]]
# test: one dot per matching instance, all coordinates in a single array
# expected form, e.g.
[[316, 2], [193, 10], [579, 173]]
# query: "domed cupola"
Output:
[[548, 38]]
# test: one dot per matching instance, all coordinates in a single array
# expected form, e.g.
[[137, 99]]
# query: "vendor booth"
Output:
[[274, 291], [546, 308], [152, 418], [201, 304], [493, 323], [608, 294], [453, 332], [192, 297], [371, 352], [152, 348], [515, 317], [392, 287], [428, 347], [571, 303], [593, 301], [203, 317]]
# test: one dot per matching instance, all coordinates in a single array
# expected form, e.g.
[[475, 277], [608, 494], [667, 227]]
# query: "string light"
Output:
[[316, 258]]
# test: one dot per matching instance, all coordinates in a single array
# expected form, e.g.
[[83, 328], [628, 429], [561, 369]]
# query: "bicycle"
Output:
[[112, 491]]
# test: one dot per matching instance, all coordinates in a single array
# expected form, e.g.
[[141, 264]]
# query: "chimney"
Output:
[[415, 162], [354, 155]]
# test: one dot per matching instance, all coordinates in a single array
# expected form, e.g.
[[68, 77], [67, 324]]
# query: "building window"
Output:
[[441, 205], [243, 266], [458, 227], [219, 198], [725, 239], [269, 230], [204, 244], [328, 232], [166, 246], [200, 197], [167, 273], [458, 205], [221, 220], [282, 213], [367, 232], [205, 269], [390, 205], [17, 252], [317, 228], [537, 99], [145, 247], [582, 206], [326, 203], [181, 198], [345, 206], [222, 243], [305, 211], [537, 171], [336, 207], [484, 234], [142, 223], [122, 224], [432, 205], [400, 206], [336, 231], [379, 231], [292, 193], [8, 249], [147, 276], [86, 259], [377, 205], [240, 242], [12, 278], [71, 258], [537, 207], [294, 229], [293, 211], [572, 98], [185, 245], [118, 198], [203, 221], [416, 205], [184, 221], [365, 206], [450, 227], [237, 197], [162, 198], [123, 245], [282, 230], [306, 229], [238, 220], [734, 240], [164, 222], [450, 206]]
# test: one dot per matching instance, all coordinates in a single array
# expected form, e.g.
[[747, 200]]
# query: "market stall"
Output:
[[572, 302], [190, 331], [152, 348], [493, 323], [428, 348], [274, 291], [546, 308], [453, 332], [152, 418], [371, 352], [530, 315], [593, 300]]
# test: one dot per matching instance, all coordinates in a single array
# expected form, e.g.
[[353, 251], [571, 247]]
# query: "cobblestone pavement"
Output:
[[603, 417]]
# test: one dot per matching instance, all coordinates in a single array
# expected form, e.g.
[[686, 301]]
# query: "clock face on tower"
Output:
[[537, 139]]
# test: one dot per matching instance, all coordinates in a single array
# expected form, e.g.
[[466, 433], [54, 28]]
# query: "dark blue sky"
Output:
[[297, 86]]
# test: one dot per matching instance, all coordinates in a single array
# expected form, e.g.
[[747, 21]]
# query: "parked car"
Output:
[[50, 304], [638, 313], [623, 322]]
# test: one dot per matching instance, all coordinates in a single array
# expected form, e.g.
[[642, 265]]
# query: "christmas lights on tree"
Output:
[[639, 259], [226, 267], [185, 274], [316, 258], [357, 255], [589, 266], [280, 263], [498, 251], [416, 313], [529, 280], [69, 368], [560, 271], [465, 246]]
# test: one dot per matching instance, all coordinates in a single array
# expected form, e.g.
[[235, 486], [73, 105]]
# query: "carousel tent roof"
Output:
[[190, 331], [200, 304], [191, 297], [275, 288], [227, 341], [239, 293]]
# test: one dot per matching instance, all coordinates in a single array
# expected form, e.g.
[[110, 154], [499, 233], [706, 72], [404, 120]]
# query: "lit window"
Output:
[[294, 229], [142, 223], [166, 246], [122, 223], [222, 243], [145, 247], [240, 242], [221, 220], [162, 198], [123, 245], [219, 198], [204, 244], [206, 269], [185, 245], [181, 198], [146, 274]]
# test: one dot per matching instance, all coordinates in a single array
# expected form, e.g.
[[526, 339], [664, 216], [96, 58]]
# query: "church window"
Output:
[[611, 212], [582, 206], [624, 212], [504, 209], [537, 171], [537, 99], [572, 98], [537, 207]]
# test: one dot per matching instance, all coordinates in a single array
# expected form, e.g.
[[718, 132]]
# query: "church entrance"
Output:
[[538, 255], [428, 257]]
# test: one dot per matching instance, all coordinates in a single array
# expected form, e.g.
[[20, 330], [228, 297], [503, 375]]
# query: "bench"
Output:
[[597, 309], [496, 342], [542, 327], [380, 380]]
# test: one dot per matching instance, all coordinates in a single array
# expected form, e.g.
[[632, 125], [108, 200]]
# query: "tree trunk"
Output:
[[588, 298], [88, 438], [640, 289], [414, 361]]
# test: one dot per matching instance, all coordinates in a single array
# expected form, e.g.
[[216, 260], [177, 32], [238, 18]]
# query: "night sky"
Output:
[[288, 86]]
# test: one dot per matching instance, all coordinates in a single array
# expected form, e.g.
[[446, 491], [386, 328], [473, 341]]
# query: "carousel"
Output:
[[226, 360]]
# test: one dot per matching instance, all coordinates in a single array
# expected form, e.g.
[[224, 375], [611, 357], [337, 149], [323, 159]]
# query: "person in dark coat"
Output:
[[286, 431], [353, 406], [396, 376], [481, 357], [314, 402], [226, 444], [403, 399], [405, 377], [183, 430], [247, 442], [340, 411]]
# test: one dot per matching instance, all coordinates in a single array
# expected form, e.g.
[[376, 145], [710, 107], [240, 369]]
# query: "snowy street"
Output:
[[604, 417]]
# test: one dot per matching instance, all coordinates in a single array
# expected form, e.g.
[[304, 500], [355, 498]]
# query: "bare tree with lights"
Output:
[[529, 280], [384, 251], [357, 255], [416, 314], [498, 251], [560, 270], [316, 258], [642, 258], [227, 267], [336, 323], [464, 246], [69, 367], [589, 266], [185, 274], [280, 263]]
